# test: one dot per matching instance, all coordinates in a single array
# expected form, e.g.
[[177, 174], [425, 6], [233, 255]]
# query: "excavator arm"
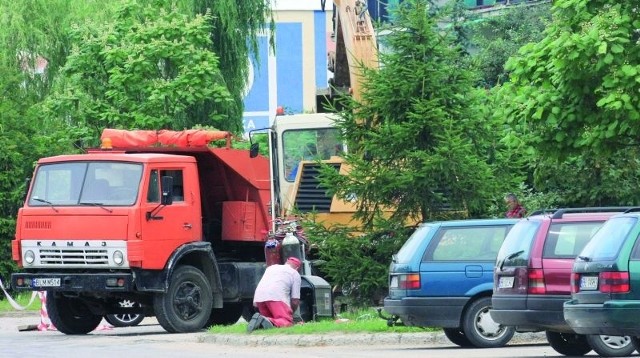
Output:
[[355, 45]]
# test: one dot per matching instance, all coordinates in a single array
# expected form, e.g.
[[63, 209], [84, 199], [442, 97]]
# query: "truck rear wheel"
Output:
[[71, 315], [248, 310], [227, 315], [186, 306]]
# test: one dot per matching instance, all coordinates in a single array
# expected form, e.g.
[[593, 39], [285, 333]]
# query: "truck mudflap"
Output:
[[75, 282], [315, 298]]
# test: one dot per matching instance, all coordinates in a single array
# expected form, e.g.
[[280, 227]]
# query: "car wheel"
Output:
[[125, 319], [481, 330], [568, 344], [636, 343], [611, 346], [457, 337]]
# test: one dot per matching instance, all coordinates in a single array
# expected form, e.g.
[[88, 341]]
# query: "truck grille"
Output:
[[74, 254], [74, 257]]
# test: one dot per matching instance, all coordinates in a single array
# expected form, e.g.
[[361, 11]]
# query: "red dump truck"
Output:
[[158, 218]]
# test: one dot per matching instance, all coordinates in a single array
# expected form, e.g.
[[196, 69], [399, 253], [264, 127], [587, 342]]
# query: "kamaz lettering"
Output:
[[72, 244]]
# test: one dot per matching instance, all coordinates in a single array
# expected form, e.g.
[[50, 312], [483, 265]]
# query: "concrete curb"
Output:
[[326, 339], [339, 339]]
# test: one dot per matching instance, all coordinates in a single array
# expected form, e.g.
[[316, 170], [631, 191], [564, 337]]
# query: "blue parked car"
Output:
[[443, 277]]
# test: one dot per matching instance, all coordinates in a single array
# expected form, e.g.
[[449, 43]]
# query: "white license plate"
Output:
[[505, 282], [46, 282], [589, 282], [394, 282]]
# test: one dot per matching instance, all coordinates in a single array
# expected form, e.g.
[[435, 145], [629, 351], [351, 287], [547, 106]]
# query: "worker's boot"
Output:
[[266, 323], [255, 322]]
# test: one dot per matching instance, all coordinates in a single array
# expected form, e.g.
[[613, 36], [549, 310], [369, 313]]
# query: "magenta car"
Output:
[[532, 278]]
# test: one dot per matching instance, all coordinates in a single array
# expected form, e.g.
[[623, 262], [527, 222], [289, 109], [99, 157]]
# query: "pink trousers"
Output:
[[279, 313]]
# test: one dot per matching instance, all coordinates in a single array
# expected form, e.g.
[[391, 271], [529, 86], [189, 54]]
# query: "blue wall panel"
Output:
[[320, 34], [289, 66], [258, 97]]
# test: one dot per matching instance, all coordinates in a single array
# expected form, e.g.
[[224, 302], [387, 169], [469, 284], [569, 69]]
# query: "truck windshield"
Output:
[[309, 144], [86, 183]]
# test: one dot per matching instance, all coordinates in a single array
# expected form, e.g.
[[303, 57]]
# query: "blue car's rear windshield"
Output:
[[606, 243], [408, 250]]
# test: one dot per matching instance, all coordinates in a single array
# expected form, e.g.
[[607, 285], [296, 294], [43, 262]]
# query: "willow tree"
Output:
[[235, 27]]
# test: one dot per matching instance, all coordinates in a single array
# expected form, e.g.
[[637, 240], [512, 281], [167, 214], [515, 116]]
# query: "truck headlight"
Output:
[[118, 257], [29, 257]]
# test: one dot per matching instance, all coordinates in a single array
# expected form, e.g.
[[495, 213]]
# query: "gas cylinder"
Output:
[[291, 247], [272, 252]]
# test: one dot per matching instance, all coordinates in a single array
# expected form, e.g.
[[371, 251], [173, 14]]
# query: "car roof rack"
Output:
[[543, 212], [598, 209], [633, 209]]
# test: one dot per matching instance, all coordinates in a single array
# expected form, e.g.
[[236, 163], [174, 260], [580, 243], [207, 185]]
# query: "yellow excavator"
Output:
[[300, 142]]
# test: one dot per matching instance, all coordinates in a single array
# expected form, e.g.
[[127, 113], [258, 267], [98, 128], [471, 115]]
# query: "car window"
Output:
[[517, 245], [466, 243], [606, 243], [635, 254], [408, 250], [566, 240]]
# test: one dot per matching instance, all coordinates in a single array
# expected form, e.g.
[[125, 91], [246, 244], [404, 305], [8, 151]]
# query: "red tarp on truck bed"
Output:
[[145, 138]]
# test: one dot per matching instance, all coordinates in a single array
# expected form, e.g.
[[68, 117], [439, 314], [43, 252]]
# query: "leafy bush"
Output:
[[357, 264]]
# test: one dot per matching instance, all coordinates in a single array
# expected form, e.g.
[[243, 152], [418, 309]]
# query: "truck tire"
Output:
[[227, 315], [611, 346], [248, 310], [457, 337], [569, 344], [70, 315], [480, 329], [186, 306]]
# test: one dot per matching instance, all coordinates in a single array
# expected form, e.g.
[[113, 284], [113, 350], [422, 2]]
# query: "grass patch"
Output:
[[364, 321], [22, 299]]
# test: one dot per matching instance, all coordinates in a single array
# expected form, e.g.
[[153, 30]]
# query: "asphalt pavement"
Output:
[[20, 320]]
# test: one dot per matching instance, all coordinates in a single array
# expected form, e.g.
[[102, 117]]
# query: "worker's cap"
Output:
[[295, 261]]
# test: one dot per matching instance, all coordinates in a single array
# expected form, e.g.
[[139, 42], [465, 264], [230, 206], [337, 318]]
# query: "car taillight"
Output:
[[614, 282], [409, 282], [536, 282], [575, 282]]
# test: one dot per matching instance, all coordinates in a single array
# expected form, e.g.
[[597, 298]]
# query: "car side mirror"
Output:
[[254, 150]]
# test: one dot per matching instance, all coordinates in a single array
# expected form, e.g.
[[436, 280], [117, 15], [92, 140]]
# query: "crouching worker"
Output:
[[277, 296]]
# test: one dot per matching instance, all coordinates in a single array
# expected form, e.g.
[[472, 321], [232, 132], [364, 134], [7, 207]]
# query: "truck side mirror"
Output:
[[254, 150], [167, 190]]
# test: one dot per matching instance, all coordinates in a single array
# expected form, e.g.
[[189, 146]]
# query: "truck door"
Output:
[[166, 227]]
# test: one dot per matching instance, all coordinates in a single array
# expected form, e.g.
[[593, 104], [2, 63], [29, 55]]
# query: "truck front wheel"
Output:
[[70, 315], [186, 306]]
